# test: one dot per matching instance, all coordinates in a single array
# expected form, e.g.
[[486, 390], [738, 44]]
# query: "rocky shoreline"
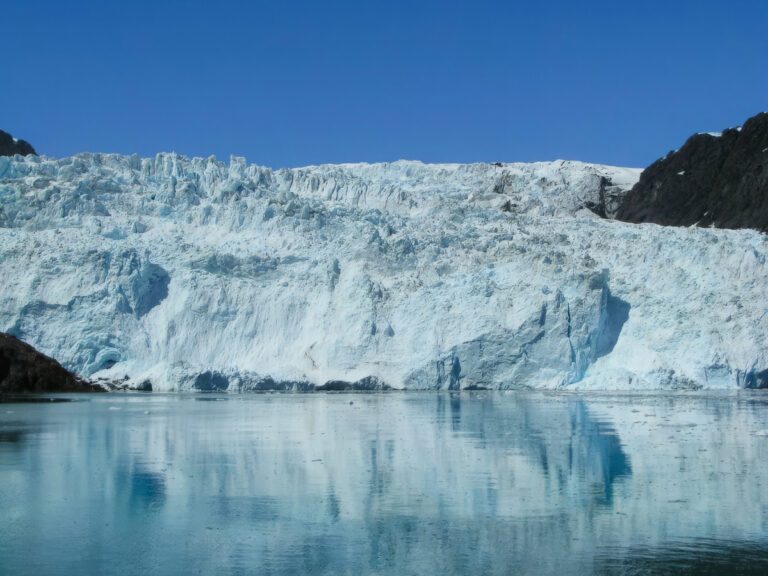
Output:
[[25, 370]]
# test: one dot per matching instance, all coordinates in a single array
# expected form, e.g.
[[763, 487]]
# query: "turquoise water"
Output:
[[391, 483]]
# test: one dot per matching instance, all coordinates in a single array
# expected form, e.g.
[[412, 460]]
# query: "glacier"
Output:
[[197, 274]]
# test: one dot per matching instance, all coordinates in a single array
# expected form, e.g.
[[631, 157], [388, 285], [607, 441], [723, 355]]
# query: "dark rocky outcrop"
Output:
[[367, 384], [211, 381], [124, 384], [23, 369], [10, 146], [719, 181], [144, 386], [610, 197], [215, 381]]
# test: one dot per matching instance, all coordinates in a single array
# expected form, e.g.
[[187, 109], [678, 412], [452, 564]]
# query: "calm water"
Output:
[[518, 483]]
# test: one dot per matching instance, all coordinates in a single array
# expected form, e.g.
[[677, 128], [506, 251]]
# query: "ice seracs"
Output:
[[194, 273]]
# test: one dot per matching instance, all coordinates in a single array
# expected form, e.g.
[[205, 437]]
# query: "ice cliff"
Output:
[[198, 274]]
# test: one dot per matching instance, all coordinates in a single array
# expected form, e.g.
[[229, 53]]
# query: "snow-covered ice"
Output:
[[199, 273]]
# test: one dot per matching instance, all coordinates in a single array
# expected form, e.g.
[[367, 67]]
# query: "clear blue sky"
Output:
[[287, 83]]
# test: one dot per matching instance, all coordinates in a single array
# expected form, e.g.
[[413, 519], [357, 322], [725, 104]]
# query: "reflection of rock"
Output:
[[688, 557], [24, 369], [11, 436]]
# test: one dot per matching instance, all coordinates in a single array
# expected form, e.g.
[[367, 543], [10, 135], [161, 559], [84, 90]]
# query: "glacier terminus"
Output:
[[197, 274]]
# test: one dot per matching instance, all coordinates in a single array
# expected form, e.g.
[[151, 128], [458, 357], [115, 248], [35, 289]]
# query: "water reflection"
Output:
[[11, 434], [702, 557], [386, 484], [145, 489]]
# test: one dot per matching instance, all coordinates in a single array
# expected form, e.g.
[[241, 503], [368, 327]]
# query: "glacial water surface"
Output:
[[391, 483]]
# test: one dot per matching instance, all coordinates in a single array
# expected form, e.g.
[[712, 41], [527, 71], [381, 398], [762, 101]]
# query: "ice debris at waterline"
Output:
[[195, 274]]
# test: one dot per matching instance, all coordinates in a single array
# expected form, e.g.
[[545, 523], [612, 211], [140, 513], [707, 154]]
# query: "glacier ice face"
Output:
[[195, 273]]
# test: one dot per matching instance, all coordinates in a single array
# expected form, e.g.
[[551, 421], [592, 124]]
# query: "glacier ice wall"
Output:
[[194, 273]]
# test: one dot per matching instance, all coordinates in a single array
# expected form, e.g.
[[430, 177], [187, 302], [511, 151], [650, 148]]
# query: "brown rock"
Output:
[[23, 369]]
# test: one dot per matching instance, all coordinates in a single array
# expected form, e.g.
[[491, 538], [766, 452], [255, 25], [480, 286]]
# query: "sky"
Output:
[[297, 82]]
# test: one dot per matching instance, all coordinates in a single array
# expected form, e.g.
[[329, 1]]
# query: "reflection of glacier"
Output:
[[588, 447], [354, 484]]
